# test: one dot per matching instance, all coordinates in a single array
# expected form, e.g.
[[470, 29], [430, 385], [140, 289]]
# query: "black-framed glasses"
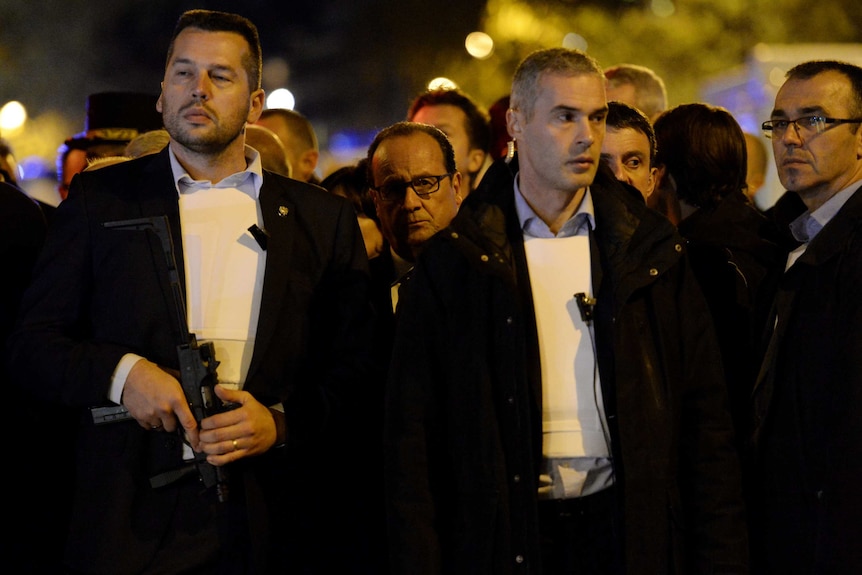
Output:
[[424, 186], [805, 126]]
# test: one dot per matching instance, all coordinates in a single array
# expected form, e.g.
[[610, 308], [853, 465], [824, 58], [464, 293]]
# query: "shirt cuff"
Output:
[[121, 373]]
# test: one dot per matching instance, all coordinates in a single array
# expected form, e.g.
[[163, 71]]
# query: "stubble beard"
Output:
[[210, 141]]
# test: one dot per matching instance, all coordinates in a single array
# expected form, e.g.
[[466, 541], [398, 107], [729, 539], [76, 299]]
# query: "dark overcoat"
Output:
[[463, 431]]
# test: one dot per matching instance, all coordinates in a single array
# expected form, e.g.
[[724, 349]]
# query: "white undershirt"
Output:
[[575, 449], [560, 268], [224, 267]]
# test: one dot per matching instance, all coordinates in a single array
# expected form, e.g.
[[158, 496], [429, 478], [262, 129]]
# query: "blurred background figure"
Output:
[[10, 173], [8, 164], [113, 119], [637, 86], [40, 516], [629, 147], [350, 182], [467, 125], [149, 142], [499, 131], [733, 248], [298, 138], [757, 162], [273, 156]]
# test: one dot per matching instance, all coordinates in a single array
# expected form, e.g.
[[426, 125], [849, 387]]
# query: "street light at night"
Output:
[[12, 116], [479, 45]]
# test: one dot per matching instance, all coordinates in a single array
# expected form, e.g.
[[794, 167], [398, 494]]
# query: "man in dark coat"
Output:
[[101, 322], [40, 516], [808, 431], [733, 249], [468, 480]]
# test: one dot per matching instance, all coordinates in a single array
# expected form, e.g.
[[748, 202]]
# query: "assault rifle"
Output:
[[198, 368]]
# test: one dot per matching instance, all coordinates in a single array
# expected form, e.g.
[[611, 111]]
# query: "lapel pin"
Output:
[[282, 211]]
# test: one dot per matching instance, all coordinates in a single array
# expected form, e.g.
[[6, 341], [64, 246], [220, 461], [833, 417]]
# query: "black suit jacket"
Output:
[[100, 293], [807, 439]]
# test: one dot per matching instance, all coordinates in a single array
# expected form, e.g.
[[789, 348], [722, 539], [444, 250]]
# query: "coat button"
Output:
[[653, 272], [484, 258], [677, 247], [509, 320], [519, 559], [516, 478], [454, 235]]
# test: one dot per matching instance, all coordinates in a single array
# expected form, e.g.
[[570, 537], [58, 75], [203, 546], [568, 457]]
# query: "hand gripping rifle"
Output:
[[198, 364]]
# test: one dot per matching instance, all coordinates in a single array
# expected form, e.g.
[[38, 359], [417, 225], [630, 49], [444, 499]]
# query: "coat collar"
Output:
[[636, 244], [829, 242]]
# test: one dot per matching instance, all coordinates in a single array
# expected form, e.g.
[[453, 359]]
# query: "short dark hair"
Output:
[[621, 116], [703, 148], [401, 129], [478, 121], [352, 181], [807, 70], [213, 21], [563, 61], [301, 131]]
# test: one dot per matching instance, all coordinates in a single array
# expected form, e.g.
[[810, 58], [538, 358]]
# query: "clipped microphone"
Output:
[[586, 305], [260, 235]]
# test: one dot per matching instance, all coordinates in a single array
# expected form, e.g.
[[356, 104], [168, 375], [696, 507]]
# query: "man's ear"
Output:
[[257, 101], [457, 182], [476, 157], [161, 95], [513, 123], [652, 182], [309, 159]]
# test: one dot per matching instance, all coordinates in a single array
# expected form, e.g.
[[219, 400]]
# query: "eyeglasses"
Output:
[[805, 126], [423, 186]]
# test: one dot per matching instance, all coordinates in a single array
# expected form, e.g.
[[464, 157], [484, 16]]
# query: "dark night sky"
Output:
[[354, 64]]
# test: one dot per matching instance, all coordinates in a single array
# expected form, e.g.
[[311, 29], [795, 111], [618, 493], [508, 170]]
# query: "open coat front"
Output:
[[464, 400]]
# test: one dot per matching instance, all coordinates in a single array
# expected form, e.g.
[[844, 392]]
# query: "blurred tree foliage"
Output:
[[698, 40]]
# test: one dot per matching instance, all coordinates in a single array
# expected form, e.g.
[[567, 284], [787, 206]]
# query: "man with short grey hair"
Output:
[[556, 402]]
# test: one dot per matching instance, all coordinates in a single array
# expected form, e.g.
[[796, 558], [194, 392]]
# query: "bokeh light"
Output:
[[574, 41], [442, 84], [281, 98], [479, 45], [12, 116]]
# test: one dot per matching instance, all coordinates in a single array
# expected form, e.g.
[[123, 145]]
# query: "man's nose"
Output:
[[412, 201], [791, 135], [586, 134], [619, 173], [201, 88]]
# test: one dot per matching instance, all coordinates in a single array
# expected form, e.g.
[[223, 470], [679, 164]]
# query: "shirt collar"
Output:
[[809, 224], [248, 180], [580, 223]]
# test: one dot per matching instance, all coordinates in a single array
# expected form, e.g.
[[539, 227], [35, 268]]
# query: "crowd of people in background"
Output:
[[553, 334]]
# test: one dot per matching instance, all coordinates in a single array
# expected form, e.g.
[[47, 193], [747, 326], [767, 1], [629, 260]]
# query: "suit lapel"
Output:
[[279, 222], [158, 196]]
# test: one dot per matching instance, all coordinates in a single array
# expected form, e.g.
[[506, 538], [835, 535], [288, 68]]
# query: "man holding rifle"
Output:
[[271, 271]]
